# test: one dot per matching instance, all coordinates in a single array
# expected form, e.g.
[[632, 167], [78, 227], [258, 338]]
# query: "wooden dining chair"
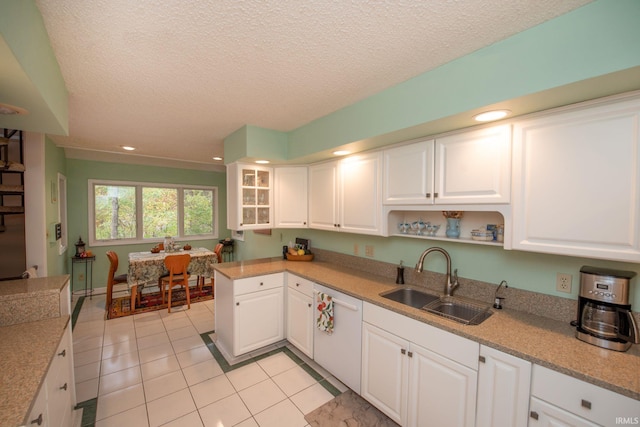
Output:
[[113, 279], [218, 251], [178, 276]]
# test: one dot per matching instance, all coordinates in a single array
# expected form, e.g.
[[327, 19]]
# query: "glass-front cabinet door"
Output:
[[250, 205]]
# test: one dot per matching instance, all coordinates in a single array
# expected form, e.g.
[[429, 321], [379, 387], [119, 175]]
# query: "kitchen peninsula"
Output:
[[36, 357]]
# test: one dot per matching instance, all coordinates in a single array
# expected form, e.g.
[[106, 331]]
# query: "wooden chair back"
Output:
[[178, 276], [177, 266], [218, 251], [111, 278], [113, 264]]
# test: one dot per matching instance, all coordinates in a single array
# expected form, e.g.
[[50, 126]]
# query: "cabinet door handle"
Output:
[[63, 353], [435, 195], [585, 404], [37, 420], [237, 303], [428, 195], [297, 284], [482, 359], [64, 387], [403, 351], [304, 223], [309, 305], [534, 415], [261, 283], [410, 354]]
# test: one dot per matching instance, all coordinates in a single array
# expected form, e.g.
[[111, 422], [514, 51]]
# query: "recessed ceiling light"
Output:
[[489, 116], [341, 152], [9, 110], [262, 162], [128, 148], [218, 158]]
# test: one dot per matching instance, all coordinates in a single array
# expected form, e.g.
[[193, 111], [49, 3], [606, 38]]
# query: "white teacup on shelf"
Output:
[[432, 229]]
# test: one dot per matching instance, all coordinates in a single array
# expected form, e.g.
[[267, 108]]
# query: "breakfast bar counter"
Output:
[[534, 338]]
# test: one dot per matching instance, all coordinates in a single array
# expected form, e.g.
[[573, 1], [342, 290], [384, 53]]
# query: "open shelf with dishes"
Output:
[[419, 223]]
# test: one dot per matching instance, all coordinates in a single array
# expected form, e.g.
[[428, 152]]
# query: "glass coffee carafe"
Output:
[[600, 320]]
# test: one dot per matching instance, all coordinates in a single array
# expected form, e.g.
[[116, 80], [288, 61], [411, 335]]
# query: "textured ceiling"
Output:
[[174, 78]]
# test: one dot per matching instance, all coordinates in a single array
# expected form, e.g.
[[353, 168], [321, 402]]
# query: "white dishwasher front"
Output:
[[340, 352]]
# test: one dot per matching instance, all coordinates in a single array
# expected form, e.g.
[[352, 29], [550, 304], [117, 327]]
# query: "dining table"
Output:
[[147, 267]]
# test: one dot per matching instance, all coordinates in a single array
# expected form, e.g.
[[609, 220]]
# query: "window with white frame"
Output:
[[133, 212]]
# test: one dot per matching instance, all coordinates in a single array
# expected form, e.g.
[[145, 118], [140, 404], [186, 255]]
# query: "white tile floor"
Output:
[[154, 369]]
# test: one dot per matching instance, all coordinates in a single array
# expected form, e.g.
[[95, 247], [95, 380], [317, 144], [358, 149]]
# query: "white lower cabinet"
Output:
[[249, 312], [503, 389], [258, 320], [431, 382], [441, 391], [53, 406], [300, 313], [385, 367], [39, 415], [560, 400]]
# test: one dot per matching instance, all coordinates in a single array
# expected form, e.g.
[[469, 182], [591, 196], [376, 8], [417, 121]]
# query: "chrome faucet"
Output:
[[449, 286]]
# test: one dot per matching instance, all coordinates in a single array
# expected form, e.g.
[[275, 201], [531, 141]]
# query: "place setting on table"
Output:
[[147, 268]]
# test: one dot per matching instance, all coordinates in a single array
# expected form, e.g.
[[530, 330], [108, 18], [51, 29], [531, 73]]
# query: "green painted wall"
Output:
[[55, 162], [257, 143], [23, 30], [78, 174], [522, 270]]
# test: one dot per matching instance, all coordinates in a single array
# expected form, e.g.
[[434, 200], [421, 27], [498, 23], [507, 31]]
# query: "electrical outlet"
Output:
[[356, 249], [563, 282], [368, 251]]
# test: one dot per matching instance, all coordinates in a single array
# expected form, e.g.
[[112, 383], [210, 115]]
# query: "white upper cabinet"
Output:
[[466, 168], [323, 196], [346, 195], [576, 182], [408, 174], [290, 194], [249, 197], [474, 167]]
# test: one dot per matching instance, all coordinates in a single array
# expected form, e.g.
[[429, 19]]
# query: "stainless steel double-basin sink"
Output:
[[461, 310]]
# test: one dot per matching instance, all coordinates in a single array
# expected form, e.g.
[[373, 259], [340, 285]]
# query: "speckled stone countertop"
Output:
[[25, 355], [540, 340], [21, 288], [29, 300]]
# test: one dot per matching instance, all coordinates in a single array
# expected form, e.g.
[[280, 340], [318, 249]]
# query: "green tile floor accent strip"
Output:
[[76, 312], [330, 388], [89, 409], [224, 365]]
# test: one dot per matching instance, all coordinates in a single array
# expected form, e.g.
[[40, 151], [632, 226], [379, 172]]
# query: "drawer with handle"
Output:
[[301, 285], [258, 283], [578, 397]]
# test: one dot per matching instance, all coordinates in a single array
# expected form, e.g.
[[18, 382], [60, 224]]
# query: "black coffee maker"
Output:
[[604, 312]]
